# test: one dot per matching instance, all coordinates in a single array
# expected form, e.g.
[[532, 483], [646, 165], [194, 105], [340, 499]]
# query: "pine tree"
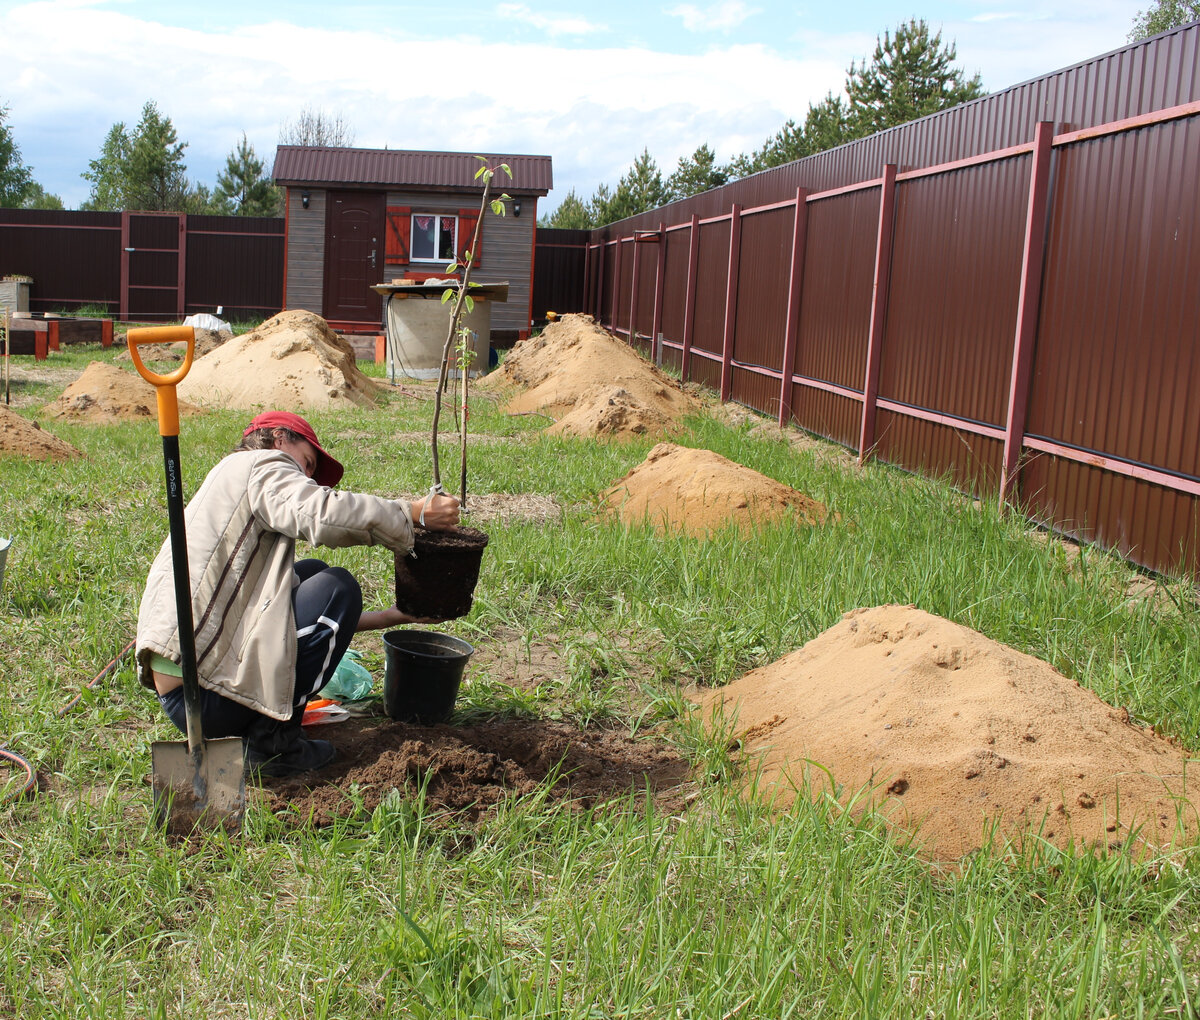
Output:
[[695, 173], [639, 190], [243, 186], [571, 214], [910, 75], [142, 169]]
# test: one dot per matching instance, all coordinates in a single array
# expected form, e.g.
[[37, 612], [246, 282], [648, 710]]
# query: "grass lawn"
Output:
[[718, 911]]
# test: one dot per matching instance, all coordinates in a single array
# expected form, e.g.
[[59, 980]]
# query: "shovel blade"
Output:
[[204, 790]]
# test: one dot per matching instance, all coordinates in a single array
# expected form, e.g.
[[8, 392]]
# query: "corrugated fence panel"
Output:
[[1117, 368], [558, 279], [712, 274], [956, 271], [73, 257], [761, 318], [675, 293], [647, 274], [238, 269], [835, 311]]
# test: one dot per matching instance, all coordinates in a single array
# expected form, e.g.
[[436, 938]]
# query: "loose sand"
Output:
[[700, 492], [293, 362], [104, 393], [950, 733], [590, 383], [21, 437]]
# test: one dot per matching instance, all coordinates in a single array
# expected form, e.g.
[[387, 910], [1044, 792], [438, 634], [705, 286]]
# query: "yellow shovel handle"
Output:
[[168, 405]]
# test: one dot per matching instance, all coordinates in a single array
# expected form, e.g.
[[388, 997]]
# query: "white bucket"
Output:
[[4, 544]]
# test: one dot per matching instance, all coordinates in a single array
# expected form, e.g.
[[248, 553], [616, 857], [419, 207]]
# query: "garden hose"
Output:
[[30, 773]]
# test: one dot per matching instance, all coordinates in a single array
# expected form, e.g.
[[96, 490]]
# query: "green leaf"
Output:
[[469, 302], [482, 159], [504, 167], [480, 172], [450, 267], [498, 207], [447, 294]]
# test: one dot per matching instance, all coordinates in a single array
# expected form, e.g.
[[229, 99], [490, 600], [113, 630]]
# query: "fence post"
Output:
[[689, 310], [125, 249], [1028, 303], [587, 278], [879, 290], [181, 265], [660, 275], [616, 278], [633, 290], [795, 286], [731, 281]]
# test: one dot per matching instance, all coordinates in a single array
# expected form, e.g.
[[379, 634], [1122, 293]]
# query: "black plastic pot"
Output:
[[422, 674]]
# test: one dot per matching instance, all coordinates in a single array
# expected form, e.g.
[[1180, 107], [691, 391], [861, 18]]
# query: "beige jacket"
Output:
[[242, 525]]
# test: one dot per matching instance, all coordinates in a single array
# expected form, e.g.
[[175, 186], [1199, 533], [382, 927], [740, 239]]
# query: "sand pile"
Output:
[[23, 438], [953, 732], [591, 382], [104, 392], [206, 341], [293, 362], [699, 492]]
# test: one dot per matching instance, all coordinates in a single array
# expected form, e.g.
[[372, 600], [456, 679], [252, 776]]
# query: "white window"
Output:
[[433, 237]]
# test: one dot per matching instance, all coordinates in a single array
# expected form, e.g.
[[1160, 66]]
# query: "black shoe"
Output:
[[302, 756]]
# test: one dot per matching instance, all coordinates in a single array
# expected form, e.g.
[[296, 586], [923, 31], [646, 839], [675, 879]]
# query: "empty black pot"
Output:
[[422, 674]]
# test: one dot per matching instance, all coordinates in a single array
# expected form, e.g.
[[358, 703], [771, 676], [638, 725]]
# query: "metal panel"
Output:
[[297, 165], [73, 257], [558, 279], [956, 270], [835, 302], [1117, 368], [763, 269]]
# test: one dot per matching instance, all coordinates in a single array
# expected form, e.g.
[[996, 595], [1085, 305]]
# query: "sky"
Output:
[[590, 85]]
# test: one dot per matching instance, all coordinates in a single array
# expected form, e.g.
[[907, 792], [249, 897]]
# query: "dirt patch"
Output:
[[293, 361], [467, 771], [104, 393], [950, 733], [24, 438], [590, 383], [700, 492]]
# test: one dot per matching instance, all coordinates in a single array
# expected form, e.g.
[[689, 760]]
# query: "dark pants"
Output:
[[326, 604]]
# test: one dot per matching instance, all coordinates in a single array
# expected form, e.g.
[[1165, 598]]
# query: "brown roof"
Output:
[[398, 168]]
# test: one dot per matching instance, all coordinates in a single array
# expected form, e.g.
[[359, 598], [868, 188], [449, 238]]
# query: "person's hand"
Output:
[[381, 619], [441, 511]]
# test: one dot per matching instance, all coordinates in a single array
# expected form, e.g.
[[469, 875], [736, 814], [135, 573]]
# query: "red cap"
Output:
[[329, 471]]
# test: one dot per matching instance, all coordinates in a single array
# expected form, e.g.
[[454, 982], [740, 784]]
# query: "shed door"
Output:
[[354, 224]]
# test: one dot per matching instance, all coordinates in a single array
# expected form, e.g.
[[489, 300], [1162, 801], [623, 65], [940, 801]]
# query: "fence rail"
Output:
[[1023, 318]]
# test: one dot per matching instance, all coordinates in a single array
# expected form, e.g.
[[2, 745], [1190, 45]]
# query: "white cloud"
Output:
[[553, 25], [719, 17]]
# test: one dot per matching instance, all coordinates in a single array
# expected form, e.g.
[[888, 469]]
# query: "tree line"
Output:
[[144, 168], [910, 74]]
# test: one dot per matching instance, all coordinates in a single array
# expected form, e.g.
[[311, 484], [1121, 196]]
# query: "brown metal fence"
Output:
[[1006, 294], [146, 266]]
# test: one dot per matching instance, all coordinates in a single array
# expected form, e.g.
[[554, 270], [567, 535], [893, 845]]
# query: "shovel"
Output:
[[200, 783]]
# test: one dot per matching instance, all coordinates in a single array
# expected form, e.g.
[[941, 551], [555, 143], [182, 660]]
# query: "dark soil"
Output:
[[466, 771], [439, 579]]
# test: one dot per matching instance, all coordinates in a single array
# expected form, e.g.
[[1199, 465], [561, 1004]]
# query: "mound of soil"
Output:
[[293, 361], [206, 341], [590, 381], [700, 492], [104, 392], [950, 733], [21, 437], [469, 770]]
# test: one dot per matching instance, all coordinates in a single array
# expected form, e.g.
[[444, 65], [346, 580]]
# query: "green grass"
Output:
[[723, 911]]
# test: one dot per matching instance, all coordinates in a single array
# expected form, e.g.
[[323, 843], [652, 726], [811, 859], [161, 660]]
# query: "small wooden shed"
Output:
[[357, 218]]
